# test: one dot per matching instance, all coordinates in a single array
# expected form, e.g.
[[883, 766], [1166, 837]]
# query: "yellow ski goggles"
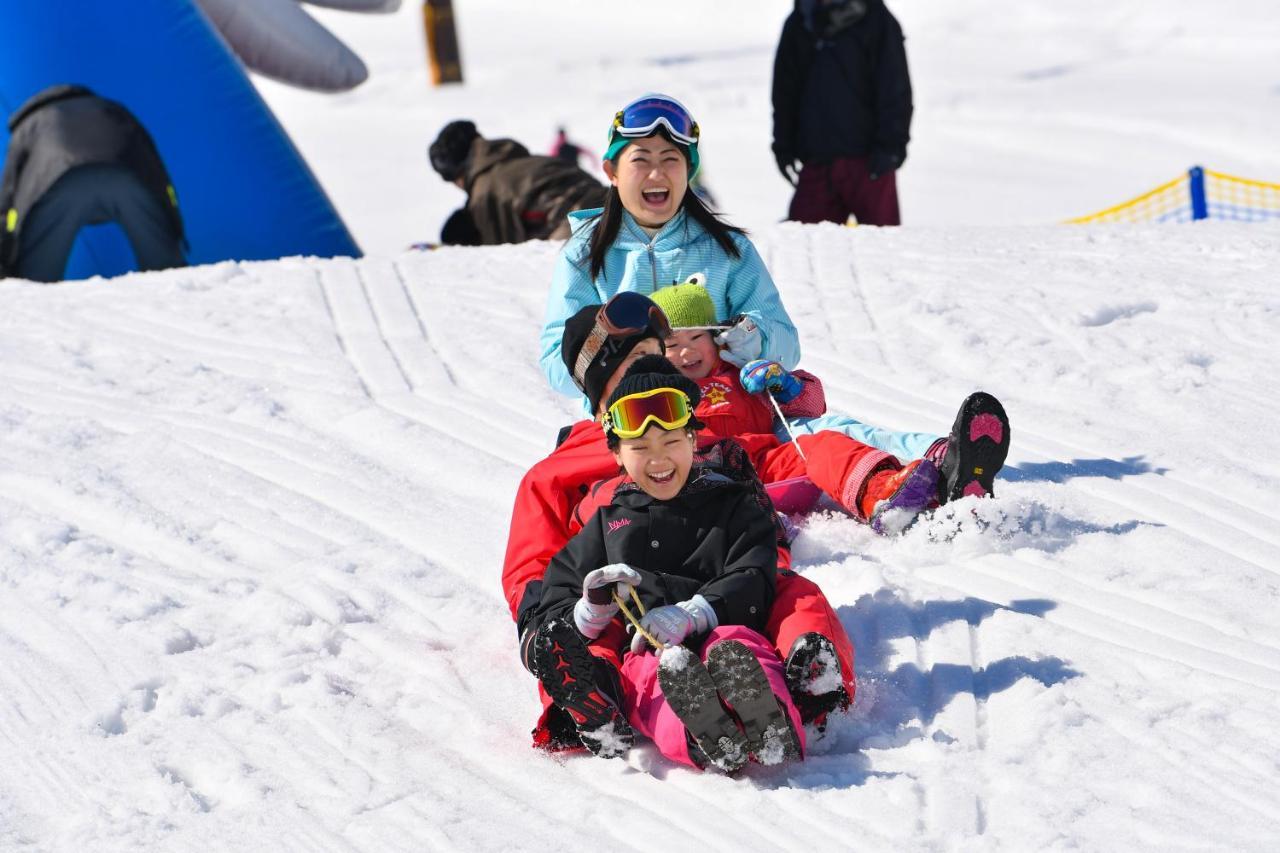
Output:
[[631, 415]]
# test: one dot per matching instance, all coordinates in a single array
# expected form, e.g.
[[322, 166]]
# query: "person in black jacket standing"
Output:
[[841, 110]]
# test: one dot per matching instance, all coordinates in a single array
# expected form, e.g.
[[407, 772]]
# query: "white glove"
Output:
[[592, 612], [742, 341], [671, 623]]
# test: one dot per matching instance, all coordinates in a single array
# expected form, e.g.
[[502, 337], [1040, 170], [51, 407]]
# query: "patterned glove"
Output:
[[592, 612], [762, 375], [742, 341], [671, 624]]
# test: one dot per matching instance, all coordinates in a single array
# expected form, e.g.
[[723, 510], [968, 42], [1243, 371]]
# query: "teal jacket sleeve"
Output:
[[752, 292], [571, 289]]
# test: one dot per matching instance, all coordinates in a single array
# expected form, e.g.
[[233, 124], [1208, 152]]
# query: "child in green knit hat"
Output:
[[735, 404], [734, 400]]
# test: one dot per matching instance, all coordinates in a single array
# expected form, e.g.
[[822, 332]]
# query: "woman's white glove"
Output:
[[672, 623], [592, 612], [742, 341]]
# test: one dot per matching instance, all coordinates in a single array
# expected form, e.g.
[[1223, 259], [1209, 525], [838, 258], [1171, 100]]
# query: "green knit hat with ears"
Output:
[[687, 306]]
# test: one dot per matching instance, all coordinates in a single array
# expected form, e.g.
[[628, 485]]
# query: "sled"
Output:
[[793, 496]]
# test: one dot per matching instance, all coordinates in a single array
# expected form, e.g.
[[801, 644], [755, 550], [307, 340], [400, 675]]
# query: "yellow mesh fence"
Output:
[[1198, 194], [1241, 199]]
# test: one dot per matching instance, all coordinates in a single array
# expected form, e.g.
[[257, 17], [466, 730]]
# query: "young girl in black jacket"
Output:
[[695, 553]]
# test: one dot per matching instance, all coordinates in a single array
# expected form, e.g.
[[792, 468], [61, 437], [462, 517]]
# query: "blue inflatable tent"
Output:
[[244, 190]]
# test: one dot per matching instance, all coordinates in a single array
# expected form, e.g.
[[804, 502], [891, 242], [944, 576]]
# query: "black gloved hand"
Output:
[[882, 163], [788, 165]]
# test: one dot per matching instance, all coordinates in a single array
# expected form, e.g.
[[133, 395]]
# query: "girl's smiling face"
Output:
[[652, 176], [693, 351], [658, 461]]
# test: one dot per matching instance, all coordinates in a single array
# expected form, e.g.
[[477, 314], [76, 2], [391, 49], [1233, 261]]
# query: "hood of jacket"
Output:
[[487, 153], [824, 25]]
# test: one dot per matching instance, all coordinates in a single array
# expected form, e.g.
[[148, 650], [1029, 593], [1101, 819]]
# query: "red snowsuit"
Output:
[[837, 464], [728, 410], [542, 521]]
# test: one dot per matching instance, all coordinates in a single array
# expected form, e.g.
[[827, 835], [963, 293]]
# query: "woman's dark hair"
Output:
[[609, 222]]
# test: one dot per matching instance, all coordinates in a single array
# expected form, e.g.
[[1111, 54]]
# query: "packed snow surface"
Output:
[[252, 516]]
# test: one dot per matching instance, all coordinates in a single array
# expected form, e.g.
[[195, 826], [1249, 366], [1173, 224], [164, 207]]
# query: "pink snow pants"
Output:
[[650, 715]]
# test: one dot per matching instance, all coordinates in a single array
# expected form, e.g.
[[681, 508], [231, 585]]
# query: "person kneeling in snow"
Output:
[[696, 553], [512, 195]]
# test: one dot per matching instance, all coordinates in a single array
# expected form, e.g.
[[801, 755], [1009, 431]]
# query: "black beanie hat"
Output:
[[650, 372], [452, 148], [576, 331], [654, 371]]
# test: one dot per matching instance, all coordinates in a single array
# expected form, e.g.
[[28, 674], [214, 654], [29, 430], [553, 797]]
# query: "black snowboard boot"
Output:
[[976, 449], [741, 681], [687, 686], [584, 686], [814, 678]]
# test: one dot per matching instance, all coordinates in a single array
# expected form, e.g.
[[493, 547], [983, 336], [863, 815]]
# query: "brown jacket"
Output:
[[514, 196]]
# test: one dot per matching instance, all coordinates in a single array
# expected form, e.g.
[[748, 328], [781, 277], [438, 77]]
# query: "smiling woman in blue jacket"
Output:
[[652, 233]]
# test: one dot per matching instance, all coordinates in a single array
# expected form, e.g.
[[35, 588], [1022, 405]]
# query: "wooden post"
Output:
[[442, 42]]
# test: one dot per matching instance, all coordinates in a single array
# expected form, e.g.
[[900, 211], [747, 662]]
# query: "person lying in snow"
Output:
[[696, 553], [736, 403], [801, 624]]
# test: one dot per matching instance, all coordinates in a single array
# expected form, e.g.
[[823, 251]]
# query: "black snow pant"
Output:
[[94, 195]]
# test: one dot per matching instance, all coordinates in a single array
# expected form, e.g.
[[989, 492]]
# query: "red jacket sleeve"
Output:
[[810, 402], [544, 501]]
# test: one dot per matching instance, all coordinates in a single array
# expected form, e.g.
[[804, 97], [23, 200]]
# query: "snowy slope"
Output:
[[252, 516], [1027, 113]]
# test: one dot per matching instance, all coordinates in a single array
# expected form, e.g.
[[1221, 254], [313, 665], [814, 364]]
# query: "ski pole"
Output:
[[786, 425]]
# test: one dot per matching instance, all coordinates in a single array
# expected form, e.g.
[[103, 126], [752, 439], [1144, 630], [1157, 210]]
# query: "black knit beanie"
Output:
[[648, 373], [576, 331], [452, 148]]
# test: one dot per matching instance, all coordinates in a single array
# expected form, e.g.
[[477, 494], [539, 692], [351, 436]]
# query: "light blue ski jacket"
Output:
[[739, 285]]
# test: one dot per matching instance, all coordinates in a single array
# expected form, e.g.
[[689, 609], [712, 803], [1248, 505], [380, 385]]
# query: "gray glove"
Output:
[[592, 612], [672, 623]]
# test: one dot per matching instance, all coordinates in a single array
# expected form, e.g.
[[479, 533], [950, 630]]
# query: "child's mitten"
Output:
[[761, 375], [742, 341]]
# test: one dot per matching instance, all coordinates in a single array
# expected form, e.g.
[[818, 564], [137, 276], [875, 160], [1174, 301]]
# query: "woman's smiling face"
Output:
[[652, 176]]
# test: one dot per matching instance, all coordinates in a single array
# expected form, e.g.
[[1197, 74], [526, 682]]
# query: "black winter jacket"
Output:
[[841, 92], [513, 196], [59, 129], [713, 539]]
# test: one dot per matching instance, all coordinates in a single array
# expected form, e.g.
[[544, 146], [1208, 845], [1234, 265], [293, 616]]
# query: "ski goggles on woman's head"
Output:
[[648, 115], [643, 117], [631, 415], [625, 315]]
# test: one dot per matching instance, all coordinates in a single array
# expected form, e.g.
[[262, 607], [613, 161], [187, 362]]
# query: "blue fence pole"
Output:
[[1199, 203]]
